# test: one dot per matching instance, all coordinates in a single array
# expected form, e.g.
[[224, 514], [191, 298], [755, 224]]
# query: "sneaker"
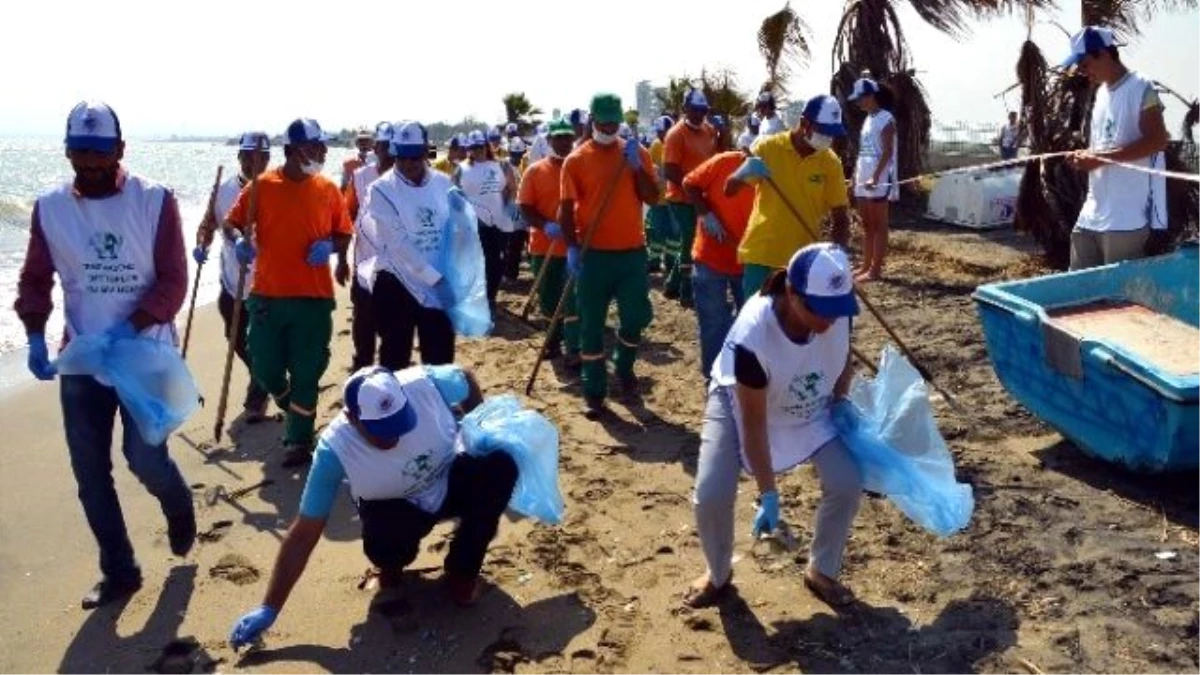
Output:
[[296, 455], [110, 590], [181, 532]]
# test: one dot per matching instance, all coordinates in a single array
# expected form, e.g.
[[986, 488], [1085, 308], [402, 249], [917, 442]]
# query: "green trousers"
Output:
[[608, 276], [679, 278], [549, 293], [658, 234], [289, 351], [753, 277]]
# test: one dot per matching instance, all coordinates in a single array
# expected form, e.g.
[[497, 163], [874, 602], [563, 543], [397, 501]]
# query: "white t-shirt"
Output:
[[483, 183], [870, 152], [227, 194], [1008, 136], [771, 125], [800, 380], [406, 226]]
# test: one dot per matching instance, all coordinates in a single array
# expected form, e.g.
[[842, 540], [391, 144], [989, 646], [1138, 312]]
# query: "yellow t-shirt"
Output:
[[444, 165], [656, 156], [815, 185]]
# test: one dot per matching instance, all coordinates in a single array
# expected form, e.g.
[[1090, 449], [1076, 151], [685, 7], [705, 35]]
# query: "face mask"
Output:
[[819, 141], [603, 138], [312, 168], [692, 125]]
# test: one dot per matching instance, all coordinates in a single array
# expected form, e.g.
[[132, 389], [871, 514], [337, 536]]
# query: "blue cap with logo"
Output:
[[304, 130], [863, 87], [93, 125], [409, 141], [824, 113], [383, 132], [695, 99], [254, 140], [476, 139], [663, 124], [821, 274], [765, 98], [1088, 41], [377, 400]]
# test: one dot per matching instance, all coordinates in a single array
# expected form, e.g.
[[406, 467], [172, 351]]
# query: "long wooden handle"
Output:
[[537, 286], [209, 213]]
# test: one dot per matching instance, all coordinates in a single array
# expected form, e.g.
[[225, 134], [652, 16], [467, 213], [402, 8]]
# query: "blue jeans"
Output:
[[712, 292], [89, 413]]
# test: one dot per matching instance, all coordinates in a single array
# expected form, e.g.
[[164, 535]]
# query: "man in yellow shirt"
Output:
[[456, 151], [802, 165]]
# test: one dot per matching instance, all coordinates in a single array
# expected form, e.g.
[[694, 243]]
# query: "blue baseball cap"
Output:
[[254, 140], [863, 87], [718, 121], [476, 139], [824, 113], [383, 132], [696, 100], [493, 134], [663, 124], [1087, 41], [409, 141], [765, 98], [577, 116], [821, 274], [304, 130], [457, 141], [377, 400], [93, 125]]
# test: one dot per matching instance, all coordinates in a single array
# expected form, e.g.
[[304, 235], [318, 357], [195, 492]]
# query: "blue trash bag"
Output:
[[887, 425], [463, 267], [151, 379], [499, 423]]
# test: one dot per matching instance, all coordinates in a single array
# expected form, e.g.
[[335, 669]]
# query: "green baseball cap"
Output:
[[560, 127], [606, 109]]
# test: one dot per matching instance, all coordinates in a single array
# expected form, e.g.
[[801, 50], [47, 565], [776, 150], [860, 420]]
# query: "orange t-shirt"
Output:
[[290, 216], [540, 186], [734, 212], [688, 148], [586, 175]]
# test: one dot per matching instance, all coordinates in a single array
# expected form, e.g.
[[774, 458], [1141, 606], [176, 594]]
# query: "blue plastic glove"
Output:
[[200, 255], [574, 261], [458, 199], [121, 331], [767, 518], [251, 626], [713, 226], [513, 213], [319, 252], [752, 168], [633, 156], [444, 293], [39, 358], [244, 251], [553, 230]]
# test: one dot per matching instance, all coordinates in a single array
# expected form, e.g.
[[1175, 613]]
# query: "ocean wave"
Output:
[[15, 212]]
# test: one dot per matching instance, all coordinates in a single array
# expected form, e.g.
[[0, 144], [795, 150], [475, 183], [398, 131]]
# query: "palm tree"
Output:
[[517, 108], [783, 43], [724, 96], [671, 96]]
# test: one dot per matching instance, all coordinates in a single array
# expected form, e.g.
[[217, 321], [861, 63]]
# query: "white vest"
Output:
[[870, 151], [1121, 199], [483, 183], [362, 189], [800, 380], [415, 217], [227, 195], [103, 251], [771, 125], [417, 468]]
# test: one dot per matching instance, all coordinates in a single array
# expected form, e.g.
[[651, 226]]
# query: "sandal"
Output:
[[699, 597], [829, 591]]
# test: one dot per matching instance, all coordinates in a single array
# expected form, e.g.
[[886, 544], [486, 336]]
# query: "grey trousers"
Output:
[[1093, 249], [716, 493]]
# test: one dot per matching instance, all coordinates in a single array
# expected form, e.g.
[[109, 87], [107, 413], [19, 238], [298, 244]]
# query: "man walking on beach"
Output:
[[116, 241], [614, 265], [802, 165], [254, 153], [299, 221], [1125, 214], [363, 142], [687, 145], [362, 323], [1009, 139], [768, 120]]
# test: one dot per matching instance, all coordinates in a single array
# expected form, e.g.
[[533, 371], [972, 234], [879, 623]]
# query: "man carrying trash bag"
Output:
[[397, 444], [116, 241]]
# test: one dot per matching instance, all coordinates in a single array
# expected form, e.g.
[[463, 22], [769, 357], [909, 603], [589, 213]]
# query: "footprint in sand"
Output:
[[216, 532], [183, 656], [235, 568]]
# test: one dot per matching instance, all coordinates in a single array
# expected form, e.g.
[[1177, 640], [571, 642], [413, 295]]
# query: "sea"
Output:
[[30, 166]]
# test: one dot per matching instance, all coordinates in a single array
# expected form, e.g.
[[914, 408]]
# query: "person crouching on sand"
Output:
[[785, 362], [395, 444]]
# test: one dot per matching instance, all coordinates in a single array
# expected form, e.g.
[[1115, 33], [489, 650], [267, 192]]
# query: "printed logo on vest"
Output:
[[106, 245], [806, 398]]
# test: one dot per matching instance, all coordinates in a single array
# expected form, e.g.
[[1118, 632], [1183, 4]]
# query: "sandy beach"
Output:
[[1069, 564]]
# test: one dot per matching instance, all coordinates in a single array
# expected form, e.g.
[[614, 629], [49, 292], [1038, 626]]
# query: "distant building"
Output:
[[648, 106], [555, 114]]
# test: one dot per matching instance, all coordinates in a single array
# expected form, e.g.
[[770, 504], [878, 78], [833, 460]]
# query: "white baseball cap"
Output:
[[383, 132], [476, 139], [1088, 40], [510, 128], [377, 400], [254, 140], [863, 87], [824, 113], [821, 274], [695, 99], [516, 145], [304, 130], [93, 125], [409, 141]]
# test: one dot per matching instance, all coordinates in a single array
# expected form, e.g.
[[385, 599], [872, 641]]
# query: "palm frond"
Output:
[[1125, 16], [784, 44]]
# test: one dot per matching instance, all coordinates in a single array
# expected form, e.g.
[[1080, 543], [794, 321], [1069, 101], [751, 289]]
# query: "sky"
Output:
[[222, 66]]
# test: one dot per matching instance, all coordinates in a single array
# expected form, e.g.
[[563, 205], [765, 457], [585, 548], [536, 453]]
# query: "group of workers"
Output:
[[774, 303]]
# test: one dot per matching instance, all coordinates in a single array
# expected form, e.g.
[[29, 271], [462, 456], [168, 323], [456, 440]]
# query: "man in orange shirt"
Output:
[[299, 221], [717, 277], [614, 264], [688, 144], [538, 199]]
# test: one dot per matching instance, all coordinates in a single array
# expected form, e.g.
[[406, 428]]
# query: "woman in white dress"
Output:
[[875, 177]]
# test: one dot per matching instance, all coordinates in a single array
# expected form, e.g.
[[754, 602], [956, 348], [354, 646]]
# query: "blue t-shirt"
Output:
[[326, 474]]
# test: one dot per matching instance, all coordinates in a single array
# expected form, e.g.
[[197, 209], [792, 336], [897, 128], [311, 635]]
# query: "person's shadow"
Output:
[[863, 638], [157, 647], [420, 630]]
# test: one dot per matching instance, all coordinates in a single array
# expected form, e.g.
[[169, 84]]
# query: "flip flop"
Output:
[[700, 597], [831, 593]]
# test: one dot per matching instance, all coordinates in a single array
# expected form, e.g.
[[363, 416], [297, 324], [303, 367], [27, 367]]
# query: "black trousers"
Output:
[[479, 490], [398, 315], [362, 326], [514, 253], [256, 396], [495, 250]]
